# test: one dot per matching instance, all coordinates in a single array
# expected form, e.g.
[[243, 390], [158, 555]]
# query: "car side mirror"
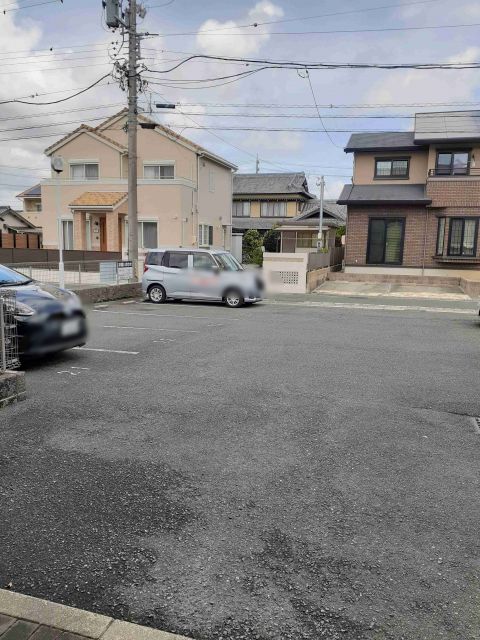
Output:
[[215, 268]]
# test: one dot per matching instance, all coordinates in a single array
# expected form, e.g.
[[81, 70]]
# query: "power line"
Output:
[[54, 113], [284, 20], [318, 111], [378, 105], [94, 84], [301, 116], [28, 6]]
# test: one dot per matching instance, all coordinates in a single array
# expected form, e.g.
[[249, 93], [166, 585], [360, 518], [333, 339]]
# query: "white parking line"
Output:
[[130, 353], [114, 326], [164, 315]]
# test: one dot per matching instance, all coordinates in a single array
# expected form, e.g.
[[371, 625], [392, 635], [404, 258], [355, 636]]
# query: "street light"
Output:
[[57, 166]]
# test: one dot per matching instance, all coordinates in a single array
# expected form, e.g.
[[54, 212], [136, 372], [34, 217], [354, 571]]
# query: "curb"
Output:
[[77, 621]]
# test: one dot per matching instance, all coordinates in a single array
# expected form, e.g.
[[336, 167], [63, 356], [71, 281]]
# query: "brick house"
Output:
[[414, 202], [184, 190]]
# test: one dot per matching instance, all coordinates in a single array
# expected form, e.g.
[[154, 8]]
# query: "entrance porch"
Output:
[[99, 221]]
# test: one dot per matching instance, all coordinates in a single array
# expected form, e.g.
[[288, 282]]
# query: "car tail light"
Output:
[[145, 267]]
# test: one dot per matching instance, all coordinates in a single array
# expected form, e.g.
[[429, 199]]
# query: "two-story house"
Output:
[[414, 202], [264, 200], [184, 190]]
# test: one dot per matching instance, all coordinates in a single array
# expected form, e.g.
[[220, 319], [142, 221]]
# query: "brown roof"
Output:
[[86, 127], [98, 199]]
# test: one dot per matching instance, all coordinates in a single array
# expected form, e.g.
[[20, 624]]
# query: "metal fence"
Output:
[[89, 272], [8, 331]]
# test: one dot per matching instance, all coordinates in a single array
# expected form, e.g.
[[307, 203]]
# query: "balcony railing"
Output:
[[458, 173]]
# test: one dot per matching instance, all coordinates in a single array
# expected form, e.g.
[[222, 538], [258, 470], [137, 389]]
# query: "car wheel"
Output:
[[233, 298], [156, 294]]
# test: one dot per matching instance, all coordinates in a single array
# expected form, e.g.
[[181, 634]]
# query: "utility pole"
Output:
[[321, 184], [132, 137]]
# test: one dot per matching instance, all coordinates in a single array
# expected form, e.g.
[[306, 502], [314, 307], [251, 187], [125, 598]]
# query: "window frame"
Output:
[[243, 203], [385, 220], [391, 159], [159, 165], [141, 244], [475, 237], [273, 202], [452, 153], [201, 232], [66, 222], [440, 220], [84, 163]]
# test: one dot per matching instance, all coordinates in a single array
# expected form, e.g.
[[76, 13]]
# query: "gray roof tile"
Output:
[[402, 140], [262, 224], [281, 183], [447, 125], [379, 193]]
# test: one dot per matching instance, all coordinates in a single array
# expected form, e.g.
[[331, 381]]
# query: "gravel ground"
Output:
[[268, 473]]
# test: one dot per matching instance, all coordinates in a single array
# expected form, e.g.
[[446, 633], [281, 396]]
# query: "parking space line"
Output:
[[114, 326], [164, 315], [130, 353]]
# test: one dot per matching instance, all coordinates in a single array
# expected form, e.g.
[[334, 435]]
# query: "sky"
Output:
[[57, 48]]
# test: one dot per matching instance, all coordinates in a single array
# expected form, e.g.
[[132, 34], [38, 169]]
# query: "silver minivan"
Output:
[[199, 274]]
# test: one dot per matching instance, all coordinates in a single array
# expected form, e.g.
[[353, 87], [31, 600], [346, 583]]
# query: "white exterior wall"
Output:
[[285, 272]]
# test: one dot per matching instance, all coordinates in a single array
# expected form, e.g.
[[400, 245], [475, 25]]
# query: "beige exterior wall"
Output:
[[364, 167], [254, 209], [292, 208], [174, 204]]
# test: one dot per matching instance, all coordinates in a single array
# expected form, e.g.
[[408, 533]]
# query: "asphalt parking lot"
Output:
[[274, 472]]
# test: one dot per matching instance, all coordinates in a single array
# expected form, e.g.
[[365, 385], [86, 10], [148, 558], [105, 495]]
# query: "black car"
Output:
[[49, 319]]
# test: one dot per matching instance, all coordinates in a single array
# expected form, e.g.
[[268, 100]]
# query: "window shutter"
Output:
[[210, 235]]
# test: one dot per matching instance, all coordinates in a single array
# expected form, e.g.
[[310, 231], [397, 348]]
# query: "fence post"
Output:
[[30, 272], [2, 338], [79, 273]]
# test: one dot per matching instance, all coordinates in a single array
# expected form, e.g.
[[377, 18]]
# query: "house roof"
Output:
[[171, 134], [99, 199], [330, 208], [384, 140], [383, 193], [270, 183], [24, 223], [447, 125], [84, 128], [32, 192]]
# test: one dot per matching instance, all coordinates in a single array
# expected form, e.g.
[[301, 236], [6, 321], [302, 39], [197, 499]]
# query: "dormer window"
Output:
[[84, 171], [392, 168]]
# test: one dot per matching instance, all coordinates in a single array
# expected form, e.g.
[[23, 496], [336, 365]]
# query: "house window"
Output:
[[67, 234], [440, 236], [385, 240], [205, 235], [38, 207], [88, 234], [394, 168], [241, 209], [159, 171], [273, 209], [452, 163], [147, 235], [84, 171], [211, 180], [462, 238]]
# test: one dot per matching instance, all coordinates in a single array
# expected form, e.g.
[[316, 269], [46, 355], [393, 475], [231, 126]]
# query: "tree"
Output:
[[252, 247], [271, 240]]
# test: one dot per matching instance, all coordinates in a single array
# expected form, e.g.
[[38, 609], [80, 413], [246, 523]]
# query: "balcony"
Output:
[[463, 172]]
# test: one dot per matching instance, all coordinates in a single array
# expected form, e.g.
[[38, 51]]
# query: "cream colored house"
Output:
[[184, 191]]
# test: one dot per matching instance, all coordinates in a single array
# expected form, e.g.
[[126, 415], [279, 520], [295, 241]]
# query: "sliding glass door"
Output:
[[385, 240]]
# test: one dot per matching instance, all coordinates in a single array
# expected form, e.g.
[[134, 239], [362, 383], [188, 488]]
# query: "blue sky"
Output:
[[73, 24]]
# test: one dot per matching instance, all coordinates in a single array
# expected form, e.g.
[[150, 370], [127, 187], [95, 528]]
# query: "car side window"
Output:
[[203, 261], [176, 259], [154, 257]]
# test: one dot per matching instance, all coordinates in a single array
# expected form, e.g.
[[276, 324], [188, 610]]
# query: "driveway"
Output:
[[275, 472]]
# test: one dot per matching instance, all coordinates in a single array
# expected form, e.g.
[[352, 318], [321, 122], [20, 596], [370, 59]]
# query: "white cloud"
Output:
[[221, 39]]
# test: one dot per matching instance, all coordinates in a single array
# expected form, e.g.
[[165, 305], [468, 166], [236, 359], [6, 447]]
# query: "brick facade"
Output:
[[418, 221], [454, 192]]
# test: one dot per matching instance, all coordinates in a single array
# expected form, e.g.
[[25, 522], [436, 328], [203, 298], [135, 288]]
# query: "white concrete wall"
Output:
[[285, 272]]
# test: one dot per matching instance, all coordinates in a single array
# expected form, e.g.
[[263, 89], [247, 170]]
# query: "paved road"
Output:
[[277, 472]]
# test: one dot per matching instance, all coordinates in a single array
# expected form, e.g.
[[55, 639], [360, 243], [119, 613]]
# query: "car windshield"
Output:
[[11, 277], [228, 262]]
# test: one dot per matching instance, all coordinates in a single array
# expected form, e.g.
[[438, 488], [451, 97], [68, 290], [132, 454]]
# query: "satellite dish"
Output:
[[57, 164]]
